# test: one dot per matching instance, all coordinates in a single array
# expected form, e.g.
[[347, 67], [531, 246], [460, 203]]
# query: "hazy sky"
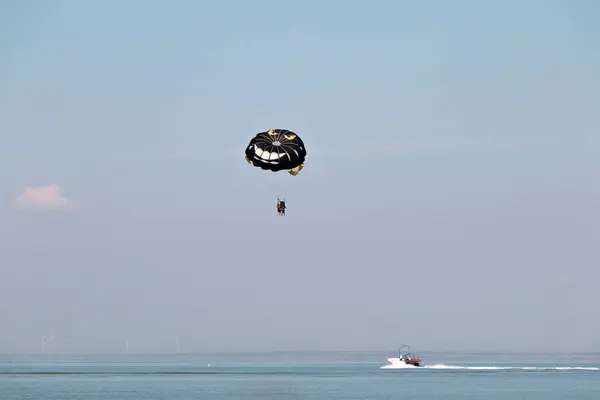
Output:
[[450, 198]]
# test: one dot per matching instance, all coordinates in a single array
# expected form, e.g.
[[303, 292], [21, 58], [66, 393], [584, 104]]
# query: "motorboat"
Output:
[[405, 357]]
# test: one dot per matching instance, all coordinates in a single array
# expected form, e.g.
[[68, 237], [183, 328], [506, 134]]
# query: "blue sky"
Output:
[[458, 141]]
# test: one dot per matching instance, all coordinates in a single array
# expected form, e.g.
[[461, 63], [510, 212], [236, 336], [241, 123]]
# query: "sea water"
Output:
[[282, 376]]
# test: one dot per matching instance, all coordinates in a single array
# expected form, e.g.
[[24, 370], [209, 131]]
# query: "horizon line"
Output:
[[130, 353]]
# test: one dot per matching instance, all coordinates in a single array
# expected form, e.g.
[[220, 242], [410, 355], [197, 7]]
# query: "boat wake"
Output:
[[488, 368]]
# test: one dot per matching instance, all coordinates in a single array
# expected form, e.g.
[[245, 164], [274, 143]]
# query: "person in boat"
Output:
[[281, 207]]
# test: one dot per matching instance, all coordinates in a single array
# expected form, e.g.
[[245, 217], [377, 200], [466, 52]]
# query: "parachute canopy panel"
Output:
[[277, 150]]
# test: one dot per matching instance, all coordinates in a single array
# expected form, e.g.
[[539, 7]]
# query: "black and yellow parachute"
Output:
[[277, 150]]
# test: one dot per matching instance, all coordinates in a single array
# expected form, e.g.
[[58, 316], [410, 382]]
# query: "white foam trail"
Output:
[[490, 368]]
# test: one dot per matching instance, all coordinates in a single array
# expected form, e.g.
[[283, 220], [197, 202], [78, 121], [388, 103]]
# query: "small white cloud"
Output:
[[43, 197]]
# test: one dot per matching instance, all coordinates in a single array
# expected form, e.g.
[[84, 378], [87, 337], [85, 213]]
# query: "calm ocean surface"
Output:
[[284, 376]]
